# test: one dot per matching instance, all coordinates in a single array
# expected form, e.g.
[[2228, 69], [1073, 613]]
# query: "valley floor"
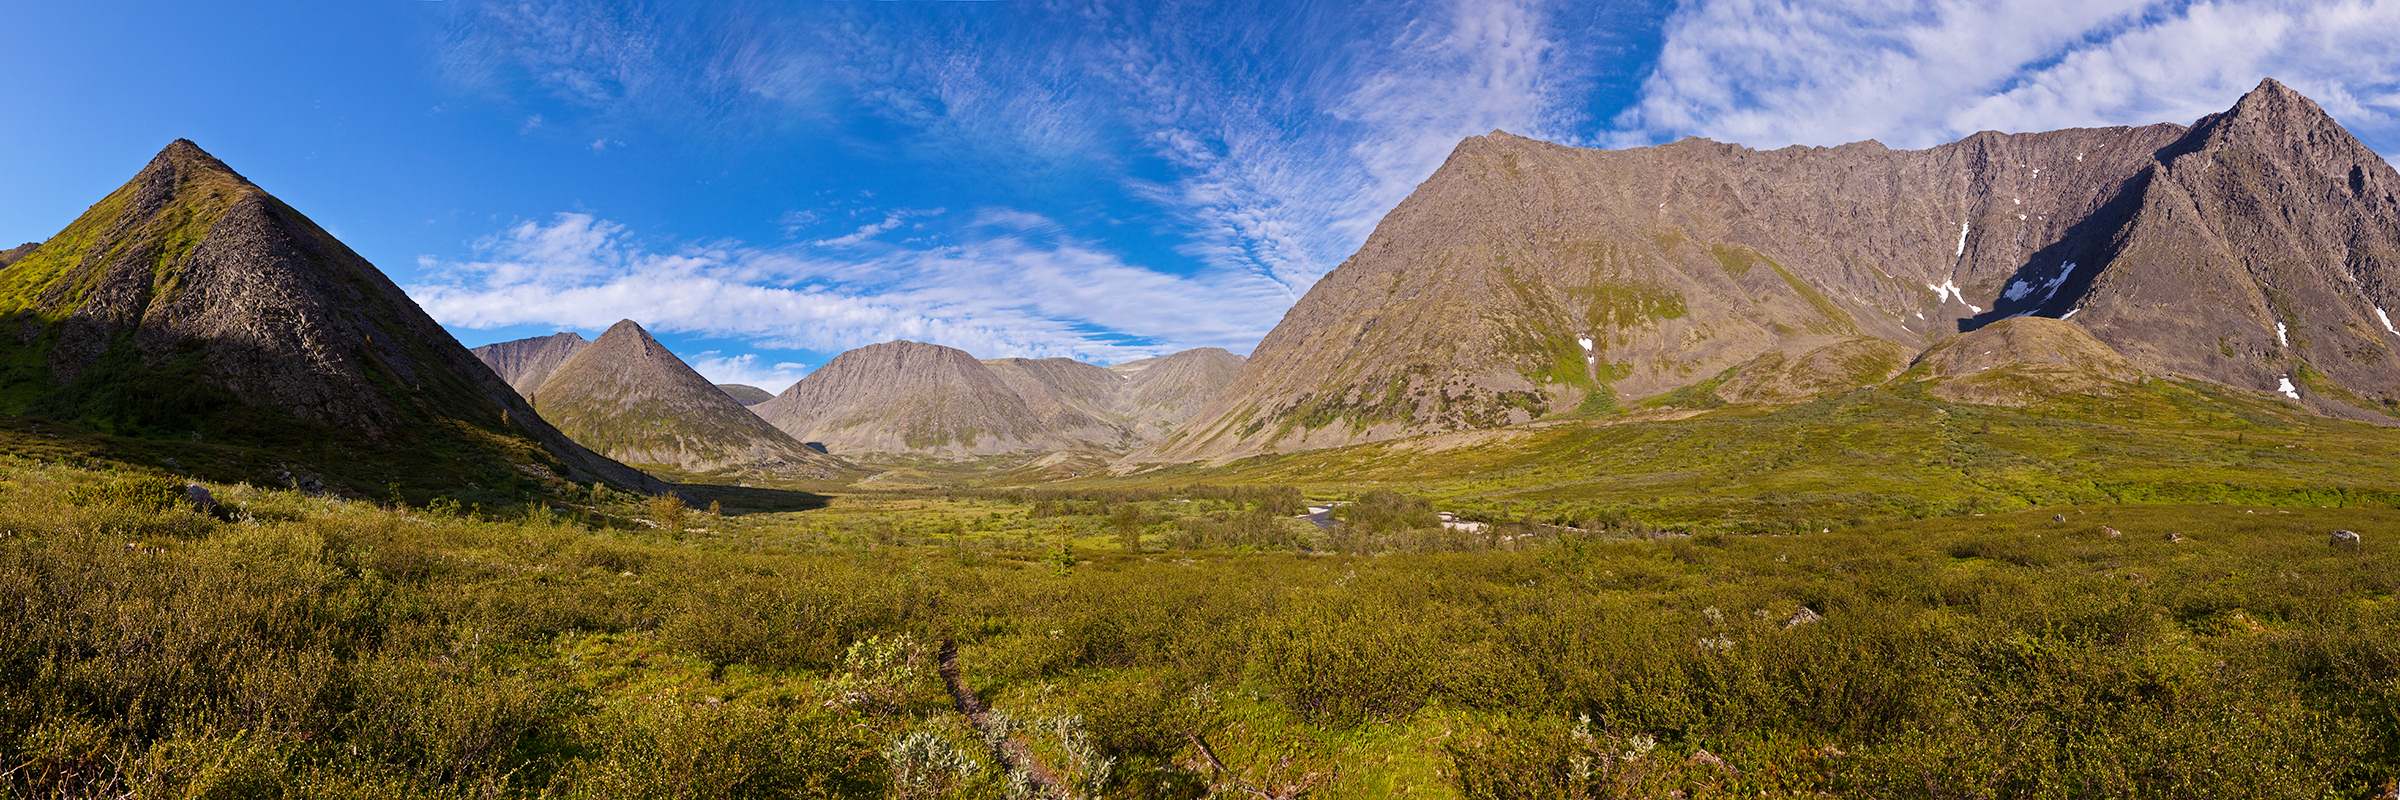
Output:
[[1177, 642]]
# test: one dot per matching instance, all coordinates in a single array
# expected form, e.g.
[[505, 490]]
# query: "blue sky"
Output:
[[766, 184]]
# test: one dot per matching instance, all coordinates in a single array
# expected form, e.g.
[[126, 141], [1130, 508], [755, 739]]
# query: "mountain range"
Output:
[[625, 395], [915, 398], [192, 311], [2258, 248]]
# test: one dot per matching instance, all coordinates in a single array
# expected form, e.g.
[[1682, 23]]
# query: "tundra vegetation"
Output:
[[1166, 640]]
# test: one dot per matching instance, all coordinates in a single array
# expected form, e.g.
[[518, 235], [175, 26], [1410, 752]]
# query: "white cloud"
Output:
[[795, 221], [1288, 179], [1773, 72], [1286, 132], [993, 295], [1014, 219], [747, 369], [877, 228]]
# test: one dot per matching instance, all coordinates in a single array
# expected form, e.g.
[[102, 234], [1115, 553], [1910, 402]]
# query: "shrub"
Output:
[[667, 511]]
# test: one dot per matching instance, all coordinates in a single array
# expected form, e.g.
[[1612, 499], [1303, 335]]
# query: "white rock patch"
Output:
[[2283, 335], [2387, 321], [2284, 385]]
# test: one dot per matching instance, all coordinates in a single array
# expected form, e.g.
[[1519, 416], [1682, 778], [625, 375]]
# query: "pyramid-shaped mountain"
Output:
[[626, 395], [191, 310], [1528, 280], [525, 363]]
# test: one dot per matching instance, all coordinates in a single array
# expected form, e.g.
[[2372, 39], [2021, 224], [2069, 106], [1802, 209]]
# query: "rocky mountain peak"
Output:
[[2272, 118]]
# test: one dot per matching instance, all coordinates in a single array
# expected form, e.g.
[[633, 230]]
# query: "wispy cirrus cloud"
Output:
[[1285, 131], [1286, 177], [871, 230], [1775, 72], [1253, 145], [993, 294]]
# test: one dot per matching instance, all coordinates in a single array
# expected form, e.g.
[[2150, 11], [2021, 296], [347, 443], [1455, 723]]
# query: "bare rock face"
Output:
[[1526, 280], [745, 394], [190, 305], [525, 363], [628, 396], [10, 255]]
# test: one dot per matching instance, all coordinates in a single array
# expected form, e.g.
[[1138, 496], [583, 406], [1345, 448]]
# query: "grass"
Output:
[[305, 646], [1890, 452], [1876, 594]]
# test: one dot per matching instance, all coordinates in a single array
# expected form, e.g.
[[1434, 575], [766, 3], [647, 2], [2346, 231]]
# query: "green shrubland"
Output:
[[303, 646]]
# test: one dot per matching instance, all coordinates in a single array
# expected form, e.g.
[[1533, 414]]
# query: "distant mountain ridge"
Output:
[[746, 394], [526, 363], [1525, 280], [193, 309], [915, 398], [626, 395]]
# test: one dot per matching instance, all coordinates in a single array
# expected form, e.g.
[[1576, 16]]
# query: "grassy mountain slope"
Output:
[[1899, 450]]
